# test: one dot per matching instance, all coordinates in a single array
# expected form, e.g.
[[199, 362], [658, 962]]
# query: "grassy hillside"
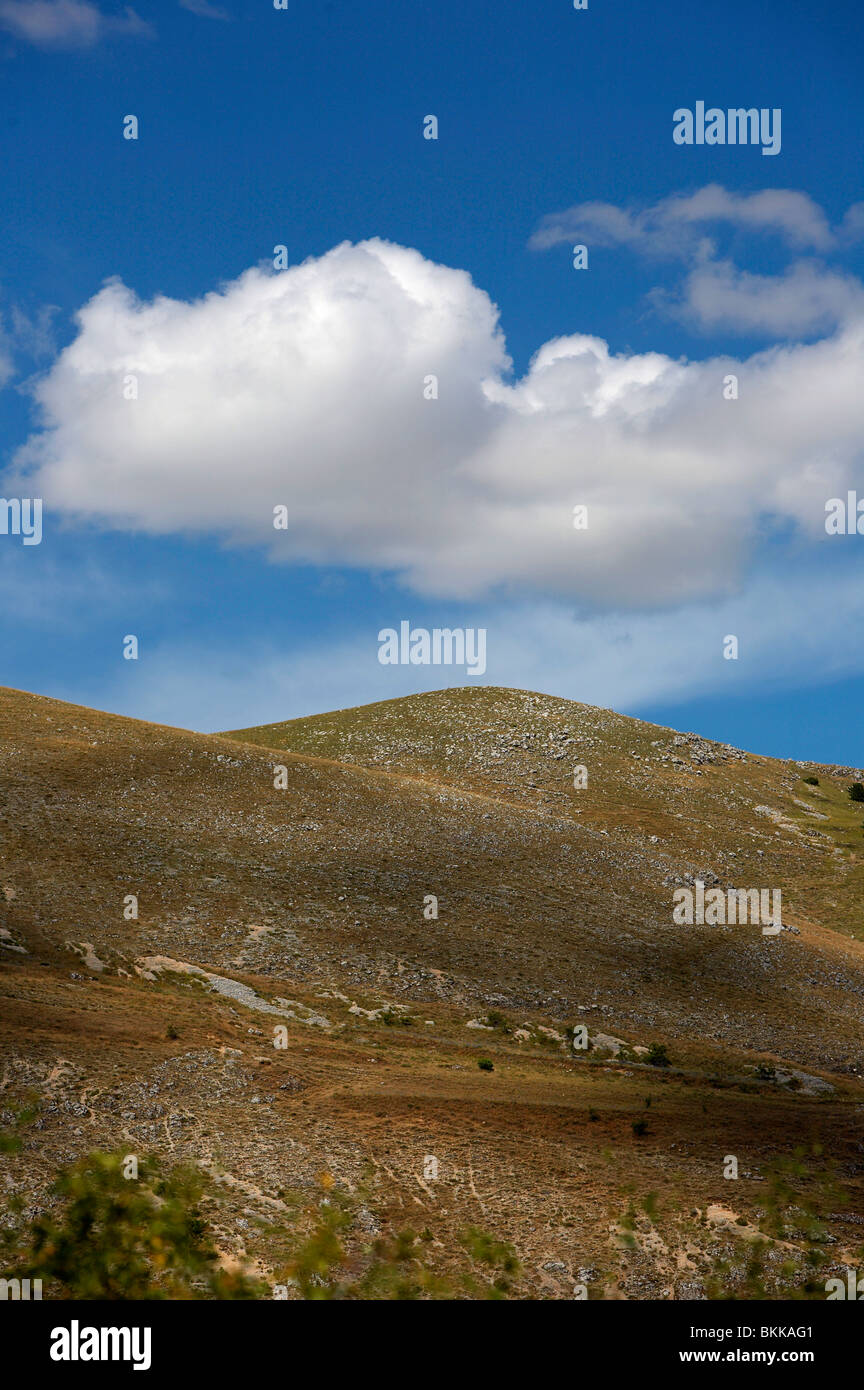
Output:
[[302, 907], [748, 819]]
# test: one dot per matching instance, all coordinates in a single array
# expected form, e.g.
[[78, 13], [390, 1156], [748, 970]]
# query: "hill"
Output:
[[282, 878]]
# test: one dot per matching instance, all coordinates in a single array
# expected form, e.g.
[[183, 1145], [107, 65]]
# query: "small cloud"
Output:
[[7, 368], [806, 299], [62, 24], [33, 334], [30, 336], [204, 9], [673, 226], [851, 229]]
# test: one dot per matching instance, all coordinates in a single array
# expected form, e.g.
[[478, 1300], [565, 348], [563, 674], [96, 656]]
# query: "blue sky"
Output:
[[304, 128]]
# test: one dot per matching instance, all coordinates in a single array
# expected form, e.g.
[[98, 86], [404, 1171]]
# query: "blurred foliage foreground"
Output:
[[109, 1235], [118, 1228]]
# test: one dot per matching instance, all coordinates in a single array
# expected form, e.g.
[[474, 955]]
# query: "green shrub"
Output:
[[126, 1238], [495, 1019], [10, 1140], [485, 1249], [485, 1065], [395, 1018], [856, 792], [657, 1055], [812, 781]]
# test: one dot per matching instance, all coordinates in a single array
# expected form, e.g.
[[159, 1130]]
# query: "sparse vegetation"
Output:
[[118, 1237], [329, 1263], [657, 1055], [791, 1259]]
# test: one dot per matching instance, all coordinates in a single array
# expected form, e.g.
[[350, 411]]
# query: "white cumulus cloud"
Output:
[[305, 388]]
